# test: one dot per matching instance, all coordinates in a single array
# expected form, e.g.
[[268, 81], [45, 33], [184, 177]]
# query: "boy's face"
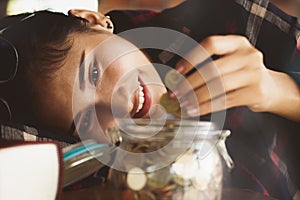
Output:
[[103, 78]]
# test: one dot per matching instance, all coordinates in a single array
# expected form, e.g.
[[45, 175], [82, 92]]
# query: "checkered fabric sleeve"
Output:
[[18, 132]]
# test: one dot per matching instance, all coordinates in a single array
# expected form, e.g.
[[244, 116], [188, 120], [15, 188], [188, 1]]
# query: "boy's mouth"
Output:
[[143, 101]]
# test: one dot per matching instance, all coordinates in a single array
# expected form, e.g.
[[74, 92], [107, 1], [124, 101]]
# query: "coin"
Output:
[[158, 178], [180, 180], [141, 148], [178, 193], [165, 192], [180, 114], [172, 78], [183, 170], [171, 105], [218, 174], [136, 179], [201, 180], [146, 195], [192, 193], [129, 195]]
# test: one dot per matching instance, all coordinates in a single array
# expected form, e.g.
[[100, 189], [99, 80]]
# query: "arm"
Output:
[[287, 102], [244, 79]]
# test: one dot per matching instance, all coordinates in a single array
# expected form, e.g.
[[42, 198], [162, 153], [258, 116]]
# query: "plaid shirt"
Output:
[[265, 147]]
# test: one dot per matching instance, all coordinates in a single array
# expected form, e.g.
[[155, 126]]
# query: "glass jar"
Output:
[[169, 159]]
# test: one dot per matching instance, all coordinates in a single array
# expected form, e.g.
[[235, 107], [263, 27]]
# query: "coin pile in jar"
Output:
[[191, 176]]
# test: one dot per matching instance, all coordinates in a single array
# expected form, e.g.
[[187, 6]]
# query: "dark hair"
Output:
[[42, 43]]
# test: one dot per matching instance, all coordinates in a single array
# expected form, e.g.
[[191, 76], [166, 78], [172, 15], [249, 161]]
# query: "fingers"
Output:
[[220, 67], [213, 45], [237, 74], [196, 80], [220, 75], [230, 100], [194, 57], [222, 45], [216, 89]]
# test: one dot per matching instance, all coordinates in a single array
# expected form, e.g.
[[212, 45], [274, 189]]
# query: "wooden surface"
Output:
[[105, 192]]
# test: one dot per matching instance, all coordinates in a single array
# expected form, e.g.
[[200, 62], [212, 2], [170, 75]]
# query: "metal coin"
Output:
[[158, 178], [180, 180], [183, 170], [192, 194], [201, 180], [171, 105], [129, 195], [136, 179], [141, 148], [178, 194], [146, 195], [165, 192], [172, 78]]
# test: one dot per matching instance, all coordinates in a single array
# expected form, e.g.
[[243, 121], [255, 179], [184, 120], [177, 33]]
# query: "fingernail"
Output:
[[172, 95], [193, 111], [184, 103], [180, 68]]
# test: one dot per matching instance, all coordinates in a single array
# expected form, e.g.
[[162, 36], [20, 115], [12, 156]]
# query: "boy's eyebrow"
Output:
[[82, 71]]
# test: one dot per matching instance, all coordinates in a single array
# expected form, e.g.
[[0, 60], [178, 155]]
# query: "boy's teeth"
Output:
[[141, 98], [141, 91]]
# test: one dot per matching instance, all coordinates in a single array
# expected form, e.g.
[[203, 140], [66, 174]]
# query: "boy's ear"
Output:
[[96, 19]]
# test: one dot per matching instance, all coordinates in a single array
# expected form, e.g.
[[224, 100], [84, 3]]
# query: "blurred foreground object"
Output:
[[30, 170]]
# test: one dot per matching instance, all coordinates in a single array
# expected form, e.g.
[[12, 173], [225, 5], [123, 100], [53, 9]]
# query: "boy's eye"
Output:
[[95, 73]]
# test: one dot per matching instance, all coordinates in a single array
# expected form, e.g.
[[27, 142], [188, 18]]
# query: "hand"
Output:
[[237, 78]]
